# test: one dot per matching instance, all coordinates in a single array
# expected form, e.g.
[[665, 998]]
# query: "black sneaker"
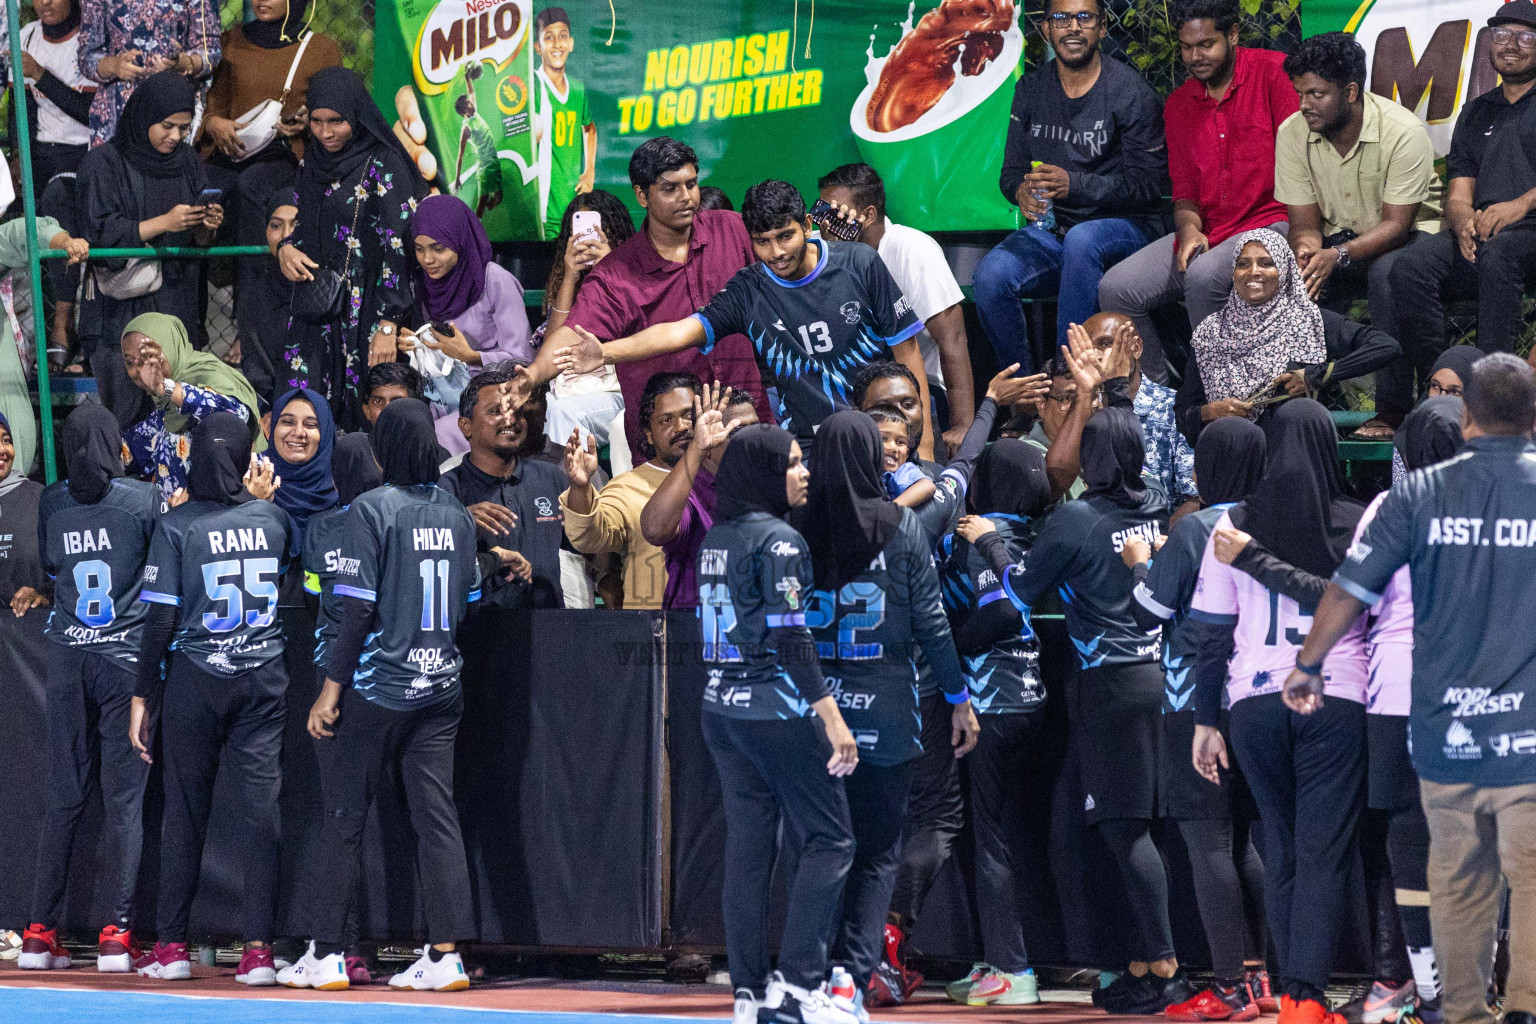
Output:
[[1153, 995], [1115, 990]]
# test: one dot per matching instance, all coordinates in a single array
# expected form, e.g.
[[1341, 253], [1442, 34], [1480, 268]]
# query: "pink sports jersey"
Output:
[[1389, 638], [1270, 632]]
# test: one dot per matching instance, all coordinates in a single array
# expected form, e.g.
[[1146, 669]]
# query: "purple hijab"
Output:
[[448, 220]]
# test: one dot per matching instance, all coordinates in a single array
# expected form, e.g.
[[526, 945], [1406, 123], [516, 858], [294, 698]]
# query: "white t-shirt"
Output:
[[53, 125], [917, 263]]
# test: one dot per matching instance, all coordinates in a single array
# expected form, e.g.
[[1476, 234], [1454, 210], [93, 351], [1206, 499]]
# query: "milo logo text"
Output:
[[458, 31]]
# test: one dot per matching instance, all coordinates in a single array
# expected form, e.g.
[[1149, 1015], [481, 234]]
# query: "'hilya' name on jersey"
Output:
[[77, 542], [1146, 531], [432, 538], [223, 542]]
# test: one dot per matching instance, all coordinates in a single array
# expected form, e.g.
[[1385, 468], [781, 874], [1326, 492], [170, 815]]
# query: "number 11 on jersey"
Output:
[[434, 594]]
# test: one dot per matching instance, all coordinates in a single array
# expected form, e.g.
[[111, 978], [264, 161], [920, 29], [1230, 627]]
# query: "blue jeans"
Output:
[[1031, 263]]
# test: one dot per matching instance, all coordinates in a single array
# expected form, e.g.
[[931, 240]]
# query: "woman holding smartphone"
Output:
[[145, 187]]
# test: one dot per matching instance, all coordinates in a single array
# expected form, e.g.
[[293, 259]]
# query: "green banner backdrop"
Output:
[[759, 89]]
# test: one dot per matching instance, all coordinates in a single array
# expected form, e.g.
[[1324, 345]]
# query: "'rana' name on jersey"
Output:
[[223, 542]]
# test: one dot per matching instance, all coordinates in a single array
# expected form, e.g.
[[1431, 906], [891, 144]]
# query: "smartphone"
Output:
[[584, 225], [209, 196], [833, 223], [441, 328]]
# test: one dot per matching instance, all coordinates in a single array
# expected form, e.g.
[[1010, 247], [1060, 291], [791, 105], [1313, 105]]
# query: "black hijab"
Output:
[[155, 99], [1011, 480], [1112, 454], [405, 444], [274, 35], [92, 451], [354, 468], [221, 453], [1431, 433], [751, 473], [341, 90], [1458, 359], [1229, 460], [55, 33], [848, 519], [1299, 510]]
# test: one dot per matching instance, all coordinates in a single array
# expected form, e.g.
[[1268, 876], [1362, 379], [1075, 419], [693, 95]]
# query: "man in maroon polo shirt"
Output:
[[670, 270], [1221, 126]]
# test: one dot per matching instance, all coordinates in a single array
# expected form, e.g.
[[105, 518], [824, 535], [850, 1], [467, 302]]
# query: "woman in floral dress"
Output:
[[356, 192], [123, 42]]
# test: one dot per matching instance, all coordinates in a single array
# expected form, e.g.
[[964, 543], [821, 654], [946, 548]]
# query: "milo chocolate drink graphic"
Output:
[[467, 64], [934, 112]]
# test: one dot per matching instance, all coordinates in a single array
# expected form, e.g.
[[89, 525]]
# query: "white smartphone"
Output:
[[584, 224]]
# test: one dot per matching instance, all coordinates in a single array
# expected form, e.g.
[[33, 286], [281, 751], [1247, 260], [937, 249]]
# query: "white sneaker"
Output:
[[845, 996], [791, 1004], [10, 945], [328, 973], [744, 1009], [445, 975]]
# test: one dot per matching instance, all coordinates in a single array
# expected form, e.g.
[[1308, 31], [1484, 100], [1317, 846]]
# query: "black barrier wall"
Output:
[[572, 720]]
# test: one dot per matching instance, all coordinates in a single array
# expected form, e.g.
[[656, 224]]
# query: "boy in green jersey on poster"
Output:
[[568, 147]]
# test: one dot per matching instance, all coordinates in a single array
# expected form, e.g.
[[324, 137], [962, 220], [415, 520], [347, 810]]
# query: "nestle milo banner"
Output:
[[1429, 55], [525, 103]]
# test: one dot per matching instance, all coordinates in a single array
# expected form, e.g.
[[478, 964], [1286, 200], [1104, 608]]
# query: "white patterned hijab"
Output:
[[1241, 347]]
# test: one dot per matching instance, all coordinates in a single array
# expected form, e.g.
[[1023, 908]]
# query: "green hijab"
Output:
[[186, 365]]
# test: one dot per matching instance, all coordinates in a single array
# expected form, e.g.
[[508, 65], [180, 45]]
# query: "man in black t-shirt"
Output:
[[1488, 242], [1085, 136], [815, 310]]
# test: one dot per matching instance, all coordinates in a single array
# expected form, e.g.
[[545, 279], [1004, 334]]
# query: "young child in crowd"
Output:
[[905, 482]]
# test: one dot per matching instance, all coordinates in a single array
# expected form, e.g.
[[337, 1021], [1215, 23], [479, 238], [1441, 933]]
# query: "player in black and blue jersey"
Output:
[[94, 531], [212, 580], [1116, 713], [355, 472], [815, 310], [773, 729], [1002, 667], [1214, 820], [407, 570], [875, 603]]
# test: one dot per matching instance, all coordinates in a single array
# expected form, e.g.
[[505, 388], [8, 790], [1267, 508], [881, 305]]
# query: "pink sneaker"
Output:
[[257, 968], [357, 971], [169, 962]]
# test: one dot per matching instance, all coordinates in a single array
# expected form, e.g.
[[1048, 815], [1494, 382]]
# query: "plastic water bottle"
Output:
[[1047, 221]]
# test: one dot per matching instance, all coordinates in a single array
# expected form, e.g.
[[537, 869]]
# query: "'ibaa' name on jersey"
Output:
[[77, 542], [432, 538], [1146, 531], [1465, 531], [222, 542]]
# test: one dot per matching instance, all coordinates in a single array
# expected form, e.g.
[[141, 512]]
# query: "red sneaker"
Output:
[[1306, 1011], [1234, 1004], [41, 951], [884, 987], [257, 968], [116, 951], [357, 971], [1263, 995], [910, 980], [169, 962]]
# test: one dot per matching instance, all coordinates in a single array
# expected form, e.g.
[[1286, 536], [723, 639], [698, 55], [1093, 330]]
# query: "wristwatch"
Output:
[[168, 387], [1343, 255], [386, 329]]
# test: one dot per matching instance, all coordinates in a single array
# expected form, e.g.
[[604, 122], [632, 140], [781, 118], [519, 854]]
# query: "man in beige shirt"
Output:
[[608, 521], [1357, 175]]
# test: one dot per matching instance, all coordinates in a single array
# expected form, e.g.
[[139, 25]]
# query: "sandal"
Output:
[[1373, 429]]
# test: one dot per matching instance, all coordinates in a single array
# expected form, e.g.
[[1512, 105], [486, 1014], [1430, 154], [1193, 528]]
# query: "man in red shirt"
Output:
[[668, 271], [1221, 126]]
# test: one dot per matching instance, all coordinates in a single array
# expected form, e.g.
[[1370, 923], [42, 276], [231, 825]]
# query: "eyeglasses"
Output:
[[1063, 402], [1434, 389], [1524, 37], [1088, 19]]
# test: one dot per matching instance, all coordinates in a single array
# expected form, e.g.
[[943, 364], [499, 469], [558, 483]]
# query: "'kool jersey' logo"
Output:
[[1460, 744], [1472, 701]]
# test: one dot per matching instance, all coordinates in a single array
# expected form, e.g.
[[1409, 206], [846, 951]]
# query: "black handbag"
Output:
[[323, 300]]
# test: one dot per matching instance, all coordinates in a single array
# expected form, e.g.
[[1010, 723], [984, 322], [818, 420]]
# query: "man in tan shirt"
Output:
[[1356, 173], [609, 521]]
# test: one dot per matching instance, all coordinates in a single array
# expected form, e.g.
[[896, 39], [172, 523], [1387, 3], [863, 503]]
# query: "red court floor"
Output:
[[593, 997]]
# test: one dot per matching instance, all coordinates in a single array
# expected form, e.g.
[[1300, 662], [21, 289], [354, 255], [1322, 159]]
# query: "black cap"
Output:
[[1522, 11]]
